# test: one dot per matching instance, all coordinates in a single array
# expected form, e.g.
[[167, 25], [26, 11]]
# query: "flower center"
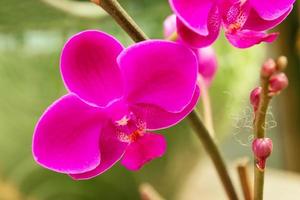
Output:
[[233, 28], [130, 128], [236, 16]]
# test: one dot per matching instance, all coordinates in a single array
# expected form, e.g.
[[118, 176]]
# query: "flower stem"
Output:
[[113, 8], [269, 70], [259, 131], [214, 153], [126, 22], [260, 119], [207, 112]]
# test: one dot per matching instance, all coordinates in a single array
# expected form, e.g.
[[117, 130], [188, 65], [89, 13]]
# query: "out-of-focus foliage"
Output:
[[31, 37]]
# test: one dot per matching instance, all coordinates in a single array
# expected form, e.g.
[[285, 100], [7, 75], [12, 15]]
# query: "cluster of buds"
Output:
[[277, 80], [262, 149], [273, 71], [273, 81]]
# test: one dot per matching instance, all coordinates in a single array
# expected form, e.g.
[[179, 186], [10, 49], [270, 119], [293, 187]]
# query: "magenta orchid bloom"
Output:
[[244, 21], [116, 96], [207, 59]]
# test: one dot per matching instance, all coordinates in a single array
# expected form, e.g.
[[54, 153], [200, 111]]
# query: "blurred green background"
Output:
[[32, 34]]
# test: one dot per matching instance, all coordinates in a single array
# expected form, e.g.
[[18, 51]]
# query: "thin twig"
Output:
[[242, 168], [127, 23]]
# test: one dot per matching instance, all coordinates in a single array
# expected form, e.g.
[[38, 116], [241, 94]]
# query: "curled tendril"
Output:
[[243, 125]]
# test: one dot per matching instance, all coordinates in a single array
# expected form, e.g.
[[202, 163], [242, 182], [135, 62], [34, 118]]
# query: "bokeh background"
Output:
[[32, 33]]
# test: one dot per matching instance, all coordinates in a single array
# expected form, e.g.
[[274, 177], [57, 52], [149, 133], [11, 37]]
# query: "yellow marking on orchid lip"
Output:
[[135, 135], [123, 121], [234, 27]]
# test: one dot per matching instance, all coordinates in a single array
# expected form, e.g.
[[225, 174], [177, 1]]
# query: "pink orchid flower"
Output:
[[207, 59], [244, 21], [116, 96]]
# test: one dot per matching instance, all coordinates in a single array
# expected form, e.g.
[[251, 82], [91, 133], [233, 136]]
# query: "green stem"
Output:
[[214, 153], [259, 131], [207, 112], [260, 119], [259, 179], [113, 8], [127, 23]]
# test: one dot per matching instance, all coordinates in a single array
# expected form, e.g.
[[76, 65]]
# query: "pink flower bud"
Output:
[[262, 149], [169, 25], [255, 97], [208, 64], [282, 63], [268, 68], [278, 82]]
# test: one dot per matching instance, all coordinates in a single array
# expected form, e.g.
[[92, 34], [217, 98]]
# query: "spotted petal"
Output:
[[194, 13], [89, 67], [196, 40]]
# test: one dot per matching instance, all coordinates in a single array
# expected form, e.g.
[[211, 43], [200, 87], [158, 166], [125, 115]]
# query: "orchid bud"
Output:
[[282, 63], [262, 149], [278, 82], [208, 64], [268, 68], [169, 25], [255, 97]]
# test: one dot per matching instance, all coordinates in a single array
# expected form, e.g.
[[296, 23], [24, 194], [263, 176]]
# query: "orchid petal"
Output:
[[160, 73], [247, 38], [111, 148], [271, 9], [256, 23], [89, 67], [197, 40], [194, 14], [66, 138], [158, 118], [144, 149]]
